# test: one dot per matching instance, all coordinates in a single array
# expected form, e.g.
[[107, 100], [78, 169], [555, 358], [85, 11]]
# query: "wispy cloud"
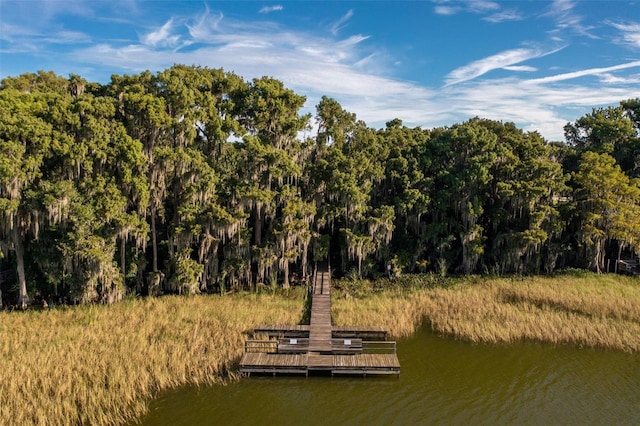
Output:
[[269, 9], [12, 32], [162, 37], [28, 39], [503, 60], [359, 75], [203, 26], [534, 106], [316, 65], [447, 10], [339, 24], [585, 73], [520, 68], [249, 49], [481, 7], [567, 19], [612, 79], [630, 33], [504, 16], [68, 37]]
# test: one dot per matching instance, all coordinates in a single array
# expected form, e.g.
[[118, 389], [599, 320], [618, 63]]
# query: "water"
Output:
[[442, 382]]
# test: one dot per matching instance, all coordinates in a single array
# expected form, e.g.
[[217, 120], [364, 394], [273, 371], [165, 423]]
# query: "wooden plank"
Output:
[[320, 328], [316, 361], [254, 359], [363, 363]]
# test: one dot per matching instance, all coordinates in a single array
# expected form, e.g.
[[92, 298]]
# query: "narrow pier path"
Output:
[[320, 347], [320, 325]]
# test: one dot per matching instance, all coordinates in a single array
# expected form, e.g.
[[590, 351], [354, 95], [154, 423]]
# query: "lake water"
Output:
[[443, 381]]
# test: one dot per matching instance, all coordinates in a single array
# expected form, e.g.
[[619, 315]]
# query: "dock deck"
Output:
[[320, 346]]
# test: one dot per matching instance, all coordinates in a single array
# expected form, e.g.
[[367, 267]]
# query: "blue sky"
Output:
[[434, 63]]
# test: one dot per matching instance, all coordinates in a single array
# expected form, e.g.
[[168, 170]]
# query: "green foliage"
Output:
[[609, 203], [194, 180], [186, 275]]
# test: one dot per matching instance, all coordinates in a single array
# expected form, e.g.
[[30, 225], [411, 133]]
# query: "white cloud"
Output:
[[504, 16], [204, 25], [562, 11], [448, 8], [67, 37], [608, 78], [315, 66], [269, 9], [13, 33], [584, 73], [482, 6], [501, 60], [630, 33], [53, 8], [339, 24], [561, 8], [358, 75], [161, 37], [20, 39], [533, 104], [520, 68]]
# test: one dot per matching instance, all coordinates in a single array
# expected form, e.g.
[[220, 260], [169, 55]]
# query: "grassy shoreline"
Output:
[[582, 309], [102, 364]]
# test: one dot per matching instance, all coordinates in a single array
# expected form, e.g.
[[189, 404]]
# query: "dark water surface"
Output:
[[442, 382]]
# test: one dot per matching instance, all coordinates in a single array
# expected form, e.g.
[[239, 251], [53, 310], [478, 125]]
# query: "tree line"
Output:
[[194, 180]]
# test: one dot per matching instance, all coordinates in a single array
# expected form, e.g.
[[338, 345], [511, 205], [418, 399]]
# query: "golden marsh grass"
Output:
[[599, 311], [101, 365]]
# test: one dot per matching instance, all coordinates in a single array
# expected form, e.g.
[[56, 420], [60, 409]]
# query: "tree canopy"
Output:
[[194, 180]]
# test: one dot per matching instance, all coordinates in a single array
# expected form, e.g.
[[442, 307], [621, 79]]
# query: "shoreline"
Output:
[[581, 309], [103, 364]]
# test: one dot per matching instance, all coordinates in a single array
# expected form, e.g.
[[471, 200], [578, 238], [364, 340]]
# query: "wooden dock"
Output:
[[320, 347]]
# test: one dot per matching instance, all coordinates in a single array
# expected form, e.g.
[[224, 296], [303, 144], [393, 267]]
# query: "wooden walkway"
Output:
[[320, 326], [319, 346]]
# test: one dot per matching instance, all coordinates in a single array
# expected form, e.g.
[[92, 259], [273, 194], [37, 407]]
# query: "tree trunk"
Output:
[[598, 258], [123, 258], [285, 268], [257, 228], [154, 242], [305, 256], [23, 298]]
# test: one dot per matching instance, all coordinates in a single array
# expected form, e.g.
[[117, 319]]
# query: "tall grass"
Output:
[[601, 311], [100, 365]]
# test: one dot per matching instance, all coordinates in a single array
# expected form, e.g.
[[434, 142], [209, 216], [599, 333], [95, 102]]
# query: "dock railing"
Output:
[[338, 346], [379, 347]]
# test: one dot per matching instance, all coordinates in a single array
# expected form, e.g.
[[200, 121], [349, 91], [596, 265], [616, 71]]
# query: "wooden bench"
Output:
[[365, 333], [346, 346], [293, 346]]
